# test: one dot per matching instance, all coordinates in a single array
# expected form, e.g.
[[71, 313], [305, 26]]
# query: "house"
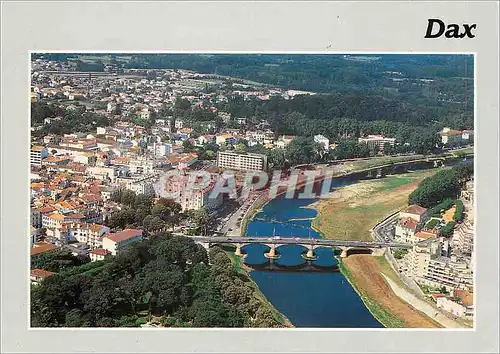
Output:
[[116, 242], [451, 137], [224, 139], [98, 254], [38, 275], [406, 229], [424, 235], [41, 247], [415, 212]]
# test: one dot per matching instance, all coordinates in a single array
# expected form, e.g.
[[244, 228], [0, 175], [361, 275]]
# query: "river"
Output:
[[307, 299]]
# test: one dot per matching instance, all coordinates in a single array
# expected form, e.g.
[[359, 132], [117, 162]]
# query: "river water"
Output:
[[307, 299]]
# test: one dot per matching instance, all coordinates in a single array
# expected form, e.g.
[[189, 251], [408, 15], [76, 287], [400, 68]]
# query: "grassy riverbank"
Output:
[[364, 273], [244, 271], [351, 211]]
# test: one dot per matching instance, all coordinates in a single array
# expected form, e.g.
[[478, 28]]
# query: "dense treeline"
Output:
[[441, 186], [327, 73], [458, 215], [165, 276], [343, 115], [57, 260], [98, 66]]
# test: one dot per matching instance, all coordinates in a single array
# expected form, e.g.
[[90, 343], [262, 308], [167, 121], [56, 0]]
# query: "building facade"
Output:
[[241, 162]]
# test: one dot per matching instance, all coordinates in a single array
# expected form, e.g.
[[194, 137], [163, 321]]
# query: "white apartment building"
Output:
[[377, 141], [37, 153], [463, 237], [90, 234], [138, 184], [242, 162], [453, 273], [322, 140], [141, 166], [426, 265]]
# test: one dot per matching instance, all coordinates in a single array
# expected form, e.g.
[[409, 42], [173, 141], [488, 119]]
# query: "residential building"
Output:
[[419, 256], [37, 154], [463, 237], [284, 140], [377, 142], [452, 137], [117, 242], [90, 234], [415, 212], [38, 275], [33, 235], [191, 195], [243, 162], [98, 254], [320, 139], [141, 166], [406, 228]]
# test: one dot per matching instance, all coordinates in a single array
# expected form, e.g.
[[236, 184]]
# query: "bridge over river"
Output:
[[377, 248]]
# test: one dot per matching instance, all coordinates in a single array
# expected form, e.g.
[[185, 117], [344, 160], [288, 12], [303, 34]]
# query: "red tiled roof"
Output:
[[41, 273], [41, 247], [425, 235], [124, 235], [436, 296], [451, 132], [100, 252], [409, 223], [415, 209]]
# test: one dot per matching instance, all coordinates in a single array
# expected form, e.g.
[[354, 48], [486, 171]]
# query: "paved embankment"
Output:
[[421, 305]]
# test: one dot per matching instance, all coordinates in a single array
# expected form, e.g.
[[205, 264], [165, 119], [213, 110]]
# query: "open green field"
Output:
[[362, 205]]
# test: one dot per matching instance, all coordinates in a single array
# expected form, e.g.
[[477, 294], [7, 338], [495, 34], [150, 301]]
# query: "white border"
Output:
[[310, 26]]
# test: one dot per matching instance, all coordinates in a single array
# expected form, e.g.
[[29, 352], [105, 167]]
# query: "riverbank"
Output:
[[349, 213], [244, 270], [367, 274]]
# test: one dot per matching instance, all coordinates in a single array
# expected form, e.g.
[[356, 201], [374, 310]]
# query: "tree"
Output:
[[201, 219], [167, 210]]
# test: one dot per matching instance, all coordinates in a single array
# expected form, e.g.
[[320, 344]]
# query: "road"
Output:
[[231, 225], [384, 231]]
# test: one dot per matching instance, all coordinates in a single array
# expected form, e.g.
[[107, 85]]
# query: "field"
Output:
[[359, 207], [364, 272]]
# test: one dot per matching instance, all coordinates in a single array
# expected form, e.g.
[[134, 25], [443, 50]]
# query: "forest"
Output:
[[443, 187], [166, 277]]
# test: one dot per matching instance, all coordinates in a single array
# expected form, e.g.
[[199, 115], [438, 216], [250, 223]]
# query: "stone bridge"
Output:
[[376, 248]]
